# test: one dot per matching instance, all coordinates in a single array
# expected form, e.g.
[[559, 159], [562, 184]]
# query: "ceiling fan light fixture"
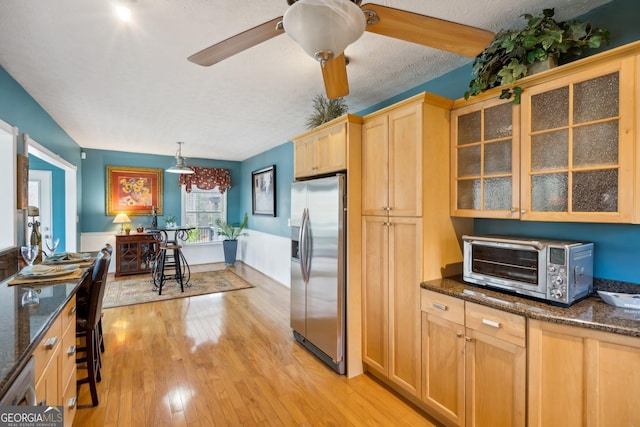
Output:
[[324, 28], [180, 166]]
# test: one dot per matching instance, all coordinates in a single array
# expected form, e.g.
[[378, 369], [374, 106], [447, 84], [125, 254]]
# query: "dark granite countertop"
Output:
[[21, 328], [590, 313]]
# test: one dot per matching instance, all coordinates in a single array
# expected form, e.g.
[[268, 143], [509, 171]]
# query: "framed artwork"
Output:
[[134, 190], [264, 191]]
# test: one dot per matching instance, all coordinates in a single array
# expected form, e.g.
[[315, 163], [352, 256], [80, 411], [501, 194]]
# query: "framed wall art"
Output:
[[264, 191], [133, 190]]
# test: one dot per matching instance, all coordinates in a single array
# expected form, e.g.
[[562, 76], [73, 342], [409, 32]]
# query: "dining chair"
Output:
[[88, 325]]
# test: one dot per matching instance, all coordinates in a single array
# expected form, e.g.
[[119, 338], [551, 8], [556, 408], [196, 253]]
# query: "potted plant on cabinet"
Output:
[[231, 234], [511, 54]]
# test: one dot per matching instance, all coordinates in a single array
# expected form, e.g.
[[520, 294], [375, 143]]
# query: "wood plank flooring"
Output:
[[226, 359]]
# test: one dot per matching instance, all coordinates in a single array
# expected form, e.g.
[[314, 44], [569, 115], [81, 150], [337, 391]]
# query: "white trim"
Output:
[[9, 217], [70, 188]]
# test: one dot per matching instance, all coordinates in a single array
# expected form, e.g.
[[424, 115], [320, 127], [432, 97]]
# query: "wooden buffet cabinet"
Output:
[[133, 252]]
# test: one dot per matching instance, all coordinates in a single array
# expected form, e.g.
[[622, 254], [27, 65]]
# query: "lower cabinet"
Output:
[[55, 364], [391, 304], [133, 253], [474, 362], [581, 377]]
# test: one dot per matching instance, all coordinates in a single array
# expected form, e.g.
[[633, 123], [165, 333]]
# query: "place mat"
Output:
[[73, 275]]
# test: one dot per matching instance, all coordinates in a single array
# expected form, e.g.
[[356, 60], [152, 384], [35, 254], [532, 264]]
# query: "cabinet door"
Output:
[[306, 153], [48, 383], [405, 161], [581, 377], [375, 166], [443, 367], [332, 149], [375, 293], [405, 274], [495, 381], [485, 160], [577, 147]]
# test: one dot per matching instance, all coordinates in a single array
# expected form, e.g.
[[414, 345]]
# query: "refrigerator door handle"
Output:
[[303, 246], [307, 246]]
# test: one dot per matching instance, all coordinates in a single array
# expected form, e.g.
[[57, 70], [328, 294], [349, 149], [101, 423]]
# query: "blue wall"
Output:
[[57, 199], [282, 157], [93, 208]]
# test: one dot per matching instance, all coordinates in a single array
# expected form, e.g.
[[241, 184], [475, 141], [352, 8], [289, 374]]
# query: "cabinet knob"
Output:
[[50, 343], [459, 334], [71, 351], [467, 339], [523, 211], [513, 209], [72, 402]]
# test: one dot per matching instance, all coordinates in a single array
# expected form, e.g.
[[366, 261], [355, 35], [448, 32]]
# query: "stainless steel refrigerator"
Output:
[[318, 267]]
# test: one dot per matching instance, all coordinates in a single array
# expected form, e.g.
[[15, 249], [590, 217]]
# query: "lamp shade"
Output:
[[33, 211], [321, 26], [121, 218], [180, 166]]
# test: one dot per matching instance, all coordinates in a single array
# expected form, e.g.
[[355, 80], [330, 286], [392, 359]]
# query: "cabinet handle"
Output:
[[513, 209], [467, 339], [491, 323], [523, 211], [73, 310], [50, 343], [71, 351], [384, 208], [72, 402], [459, 334], [439, 306]]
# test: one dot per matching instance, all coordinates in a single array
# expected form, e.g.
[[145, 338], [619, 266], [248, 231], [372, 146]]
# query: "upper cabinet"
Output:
[[323, 149], [392, 162], [567, 153], [485, 154]]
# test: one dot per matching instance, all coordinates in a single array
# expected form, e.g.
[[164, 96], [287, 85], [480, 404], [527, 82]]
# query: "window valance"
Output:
[[206, 179]]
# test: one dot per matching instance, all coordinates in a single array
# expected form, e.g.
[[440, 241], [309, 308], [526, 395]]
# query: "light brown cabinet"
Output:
[[323, 149], [392, 162], [408, 235], [391, 323], [581, 377], [485, 153], [474, 362], [572, 139], [55, 363]]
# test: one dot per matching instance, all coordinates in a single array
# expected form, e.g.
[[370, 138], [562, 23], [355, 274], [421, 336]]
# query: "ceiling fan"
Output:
[[324, 28]]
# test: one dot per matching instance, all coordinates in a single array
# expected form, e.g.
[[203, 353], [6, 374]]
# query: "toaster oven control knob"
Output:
[[557, 280], [556, 293]]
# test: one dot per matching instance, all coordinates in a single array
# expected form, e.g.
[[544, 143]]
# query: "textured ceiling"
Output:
[[129, 87]]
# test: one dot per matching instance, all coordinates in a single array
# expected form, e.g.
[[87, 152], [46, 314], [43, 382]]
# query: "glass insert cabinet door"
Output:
[[577, 146], [485, 160]]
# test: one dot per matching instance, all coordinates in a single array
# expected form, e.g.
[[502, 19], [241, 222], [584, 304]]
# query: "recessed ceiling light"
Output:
[[123, 13]]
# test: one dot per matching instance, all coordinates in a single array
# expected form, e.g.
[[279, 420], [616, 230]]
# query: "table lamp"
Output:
[[121, 218]]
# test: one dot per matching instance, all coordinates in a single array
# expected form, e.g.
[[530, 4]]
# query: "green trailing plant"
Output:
[[231, 232], [170, 219], [508, 56], [325, 110]]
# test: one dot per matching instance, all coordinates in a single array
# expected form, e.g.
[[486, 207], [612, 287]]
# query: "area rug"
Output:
[[139, 290]]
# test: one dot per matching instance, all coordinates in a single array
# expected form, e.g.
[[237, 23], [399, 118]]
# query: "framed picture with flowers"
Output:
[[134, 190]]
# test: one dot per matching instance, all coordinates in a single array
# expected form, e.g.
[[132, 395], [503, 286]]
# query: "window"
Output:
[[202, 208]]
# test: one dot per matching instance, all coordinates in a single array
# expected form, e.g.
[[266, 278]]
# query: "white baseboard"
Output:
[[267, 253]]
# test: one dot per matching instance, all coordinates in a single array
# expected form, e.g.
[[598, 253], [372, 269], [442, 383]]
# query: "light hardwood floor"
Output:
[[227, 359]]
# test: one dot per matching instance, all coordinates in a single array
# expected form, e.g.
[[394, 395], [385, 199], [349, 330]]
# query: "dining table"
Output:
[[29, 304]]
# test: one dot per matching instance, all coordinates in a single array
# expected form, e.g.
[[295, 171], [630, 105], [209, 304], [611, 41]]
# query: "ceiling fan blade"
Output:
[[236, 44], [334, 73], [428, 31]]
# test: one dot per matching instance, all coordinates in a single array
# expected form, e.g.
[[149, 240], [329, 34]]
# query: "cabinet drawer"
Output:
[[70, 399], [46, 348], [445, 306], [68, 315], [68, 353], [500, 324], [135, 238]]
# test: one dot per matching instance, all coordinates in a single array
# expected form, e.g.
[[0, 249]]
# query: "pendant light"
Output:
[[180, 166], [324, 28]]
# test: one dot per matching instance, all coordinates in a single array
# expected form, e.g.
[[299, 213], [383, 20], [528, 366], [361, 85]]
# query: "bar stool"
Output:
[[170, 257]]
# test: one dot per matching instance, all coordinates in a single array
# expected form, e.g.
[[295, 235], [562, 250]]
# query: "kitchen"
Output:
[[616, 253]]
